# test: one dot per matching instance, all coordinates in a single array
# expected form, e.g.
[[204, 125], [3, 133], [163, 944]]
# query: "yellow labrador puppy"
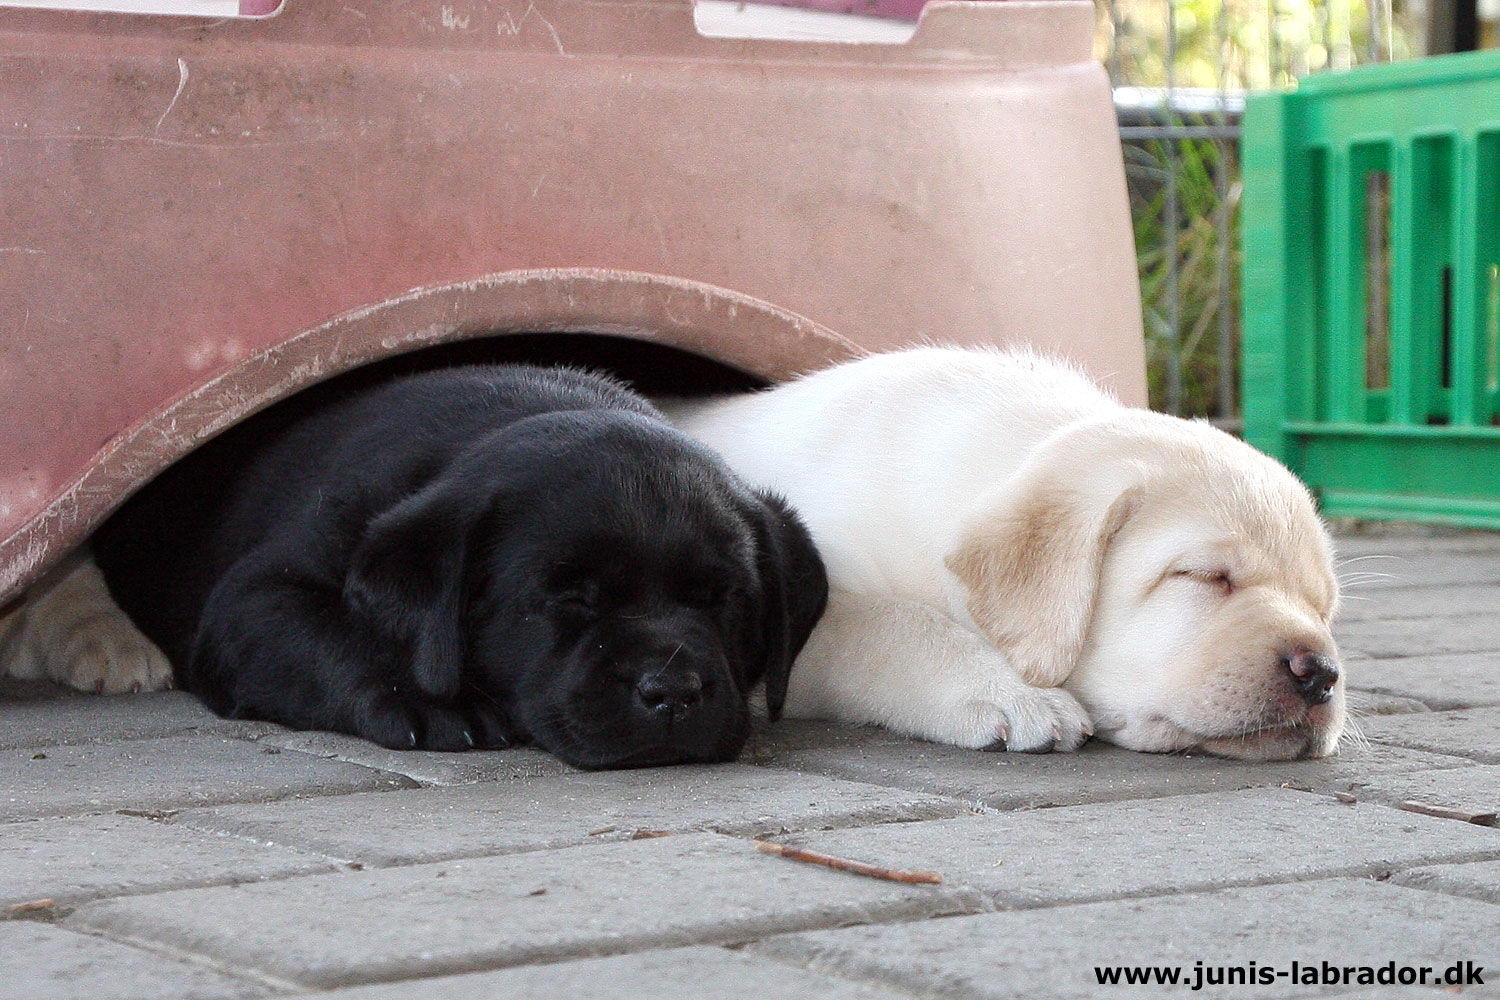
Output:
[[1017, 561]]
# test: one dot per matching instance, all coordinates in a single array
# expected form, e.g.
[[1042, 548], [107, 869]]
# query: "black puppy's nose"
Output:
[[1313, 674], [670, 695]]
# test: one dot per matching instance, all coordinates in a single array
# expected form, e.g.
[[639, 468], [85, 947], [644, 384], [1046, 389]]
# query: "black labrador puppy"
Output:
[[474, 557]]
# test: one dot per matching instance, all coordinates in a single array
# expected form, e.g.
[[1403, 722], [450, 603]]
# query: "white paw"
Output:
[[70, 630], [1022, 719], [107, 655]]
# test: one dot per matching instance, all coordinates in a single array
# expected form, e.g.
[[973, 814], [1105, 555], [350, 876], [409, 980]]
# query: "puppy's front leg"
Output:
[[277, 643], [913, 669]]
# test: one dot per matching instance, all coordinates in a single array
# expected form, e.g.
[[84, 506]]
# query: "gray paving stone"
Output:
[[97, 718], [1440, 682], [1386, 638], [1468, 732], [1096, 773], [68, 860], [1363, 703], [1397, 538], [428, 824], [1480, 880], [459, 916], [172, 772], [1053, 955], [423, 767], [17, 689], [677, 974], [768, 743], [1397, 603], [1158, 846], [1472, 789], [40, 962]]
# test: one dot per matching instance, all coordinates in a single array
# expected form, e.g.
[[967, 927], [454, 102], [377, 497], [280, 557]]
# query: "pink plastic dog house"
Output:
[[200, 217]]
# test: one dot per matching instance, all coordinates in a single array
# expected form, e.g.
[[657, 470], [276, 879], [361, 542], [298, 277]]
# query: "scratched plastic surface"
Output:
[[200, 217]]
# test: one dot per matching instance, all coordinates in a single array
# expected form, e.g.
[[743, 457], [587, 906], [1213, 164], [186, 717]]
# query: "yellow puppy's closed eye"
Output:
[[1213, 577]]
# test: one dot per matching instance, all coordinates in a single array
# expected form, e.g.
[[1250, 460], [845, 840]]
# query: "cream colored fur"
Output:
[[69, 630], [1015, 556]]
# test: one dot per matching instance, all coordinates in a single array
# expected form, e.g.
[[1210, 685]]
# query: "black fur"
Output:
[[474, 557]]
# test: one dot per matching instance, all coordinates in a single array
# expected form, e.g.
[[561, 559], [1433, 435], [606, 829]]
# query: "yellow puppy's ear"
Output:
[[1032, 558]]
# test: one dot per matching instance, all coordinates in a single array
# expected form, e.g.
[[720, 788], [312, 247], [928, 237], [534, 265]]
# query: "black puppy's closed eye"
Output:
[[704, 594], [580, 594]]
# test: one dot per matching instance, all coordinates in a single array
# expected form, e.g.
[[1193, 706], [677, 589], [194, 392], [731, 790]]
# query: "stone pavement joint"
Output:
[[59, 859], [501, 817], [41, 962], [171, 772], [1470, 732], [1465, 680], [421, 766], [1477, 881], [53, 721]]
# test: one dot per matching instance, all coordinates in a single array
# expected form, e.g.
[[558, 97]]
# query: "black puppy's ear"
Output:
[[795, 590], [407, 574]]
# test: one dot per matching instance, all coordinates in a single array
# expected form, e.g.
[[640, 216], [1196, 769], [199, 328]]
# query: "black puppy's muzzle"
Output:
[[670, 695], [680, 685], [651, 691]]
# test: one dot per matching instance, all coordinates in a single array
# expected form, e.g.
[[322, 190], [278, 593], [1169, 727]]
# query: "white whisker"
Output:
[[1363, 579], [1353, 737], [1349, 562]]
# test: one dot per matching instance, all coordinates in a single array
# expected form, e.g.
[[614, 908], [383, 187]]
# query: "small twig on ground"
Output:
[[32, 906], [1445, 812], [1345, 798], [845, 865], [607, 828]]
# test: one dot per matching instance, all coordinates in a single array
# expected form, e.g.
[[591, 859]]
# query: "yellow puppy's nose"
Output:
[[1313, 674]]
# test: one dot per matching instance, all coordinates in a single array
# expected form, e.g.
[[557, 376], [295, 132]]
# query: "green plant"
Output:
[[1195, 242]]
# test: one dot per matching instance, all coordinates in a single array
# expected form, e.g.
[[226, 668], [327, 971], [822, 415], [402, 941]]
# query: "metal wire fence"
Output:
[[1181, 69]]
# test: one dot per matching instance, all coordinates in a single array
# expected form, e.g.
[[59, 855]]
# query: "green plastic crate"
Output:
[[1371, 223]]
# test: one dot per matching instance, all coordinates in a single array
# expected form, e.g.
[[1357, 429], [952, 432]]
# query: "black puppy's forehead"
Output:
[[672, 501], [604, 492], [668, 543], [618, 568]]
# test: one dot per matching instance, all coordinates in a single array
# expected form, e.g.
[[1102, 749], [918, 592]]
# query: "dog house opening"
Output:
[[655, 370], [647, 367]]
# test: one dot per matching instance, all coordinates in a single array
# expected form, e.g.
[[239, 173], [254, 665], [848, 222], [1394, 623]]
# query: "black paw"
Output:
[[489, 728], [411, 724]]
